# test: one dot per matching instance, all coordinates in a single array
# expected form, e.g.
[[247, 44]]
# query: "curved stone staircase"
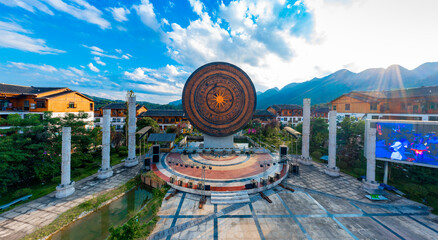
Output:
[[229, 197]]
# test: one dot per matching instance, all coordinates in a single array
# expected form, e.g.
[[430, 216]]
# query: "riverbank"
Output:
[[83, 210], [36, 214]]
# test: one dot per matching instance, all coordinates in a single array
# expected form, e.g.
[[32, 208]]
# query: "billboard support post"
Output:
[[385, 173], [369, 184]]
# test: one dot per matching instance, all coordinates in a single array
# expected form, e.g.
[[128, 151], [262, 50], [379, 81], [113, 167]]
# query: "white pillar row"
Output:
[[305, 156], [369, 184], [132, 159], [331, 169], [106, 171], [66, 188]]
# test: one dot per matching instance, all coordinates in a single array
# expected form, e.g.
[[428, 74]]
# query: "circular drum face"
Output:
[[219, 99]]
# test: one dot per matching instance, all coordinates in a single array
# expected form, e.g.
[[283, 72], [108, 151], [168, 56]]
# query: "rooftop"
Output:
[[279, 107], [17, 89], [119, 105], [375, 96], [262, 112], [163, 113], [161, 137]]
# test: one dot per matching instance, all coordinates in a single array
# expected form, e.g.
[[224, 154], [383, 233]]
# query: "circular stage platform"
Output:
[[223, 172]]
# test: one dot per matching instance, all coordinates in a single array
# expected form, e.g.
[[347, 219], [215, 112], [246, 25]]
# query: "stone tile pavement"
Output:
[[28, 217], [322, 207]]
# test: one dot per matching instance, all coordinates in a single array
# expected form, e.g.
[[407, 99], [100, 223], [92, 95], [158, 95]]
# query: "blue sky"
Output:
[[106, 47]]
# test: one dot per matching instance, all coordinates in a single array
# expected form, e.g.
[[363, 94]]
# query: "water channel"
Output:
[[97, 224]]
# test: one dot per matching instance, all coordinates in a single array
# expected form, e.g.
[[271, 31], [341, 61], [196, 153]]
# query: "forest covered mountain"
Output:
[[325, 89]]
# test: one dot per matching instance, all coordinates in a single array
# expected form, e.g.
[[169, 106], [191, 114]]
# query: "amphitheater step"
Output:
[[229, 197]]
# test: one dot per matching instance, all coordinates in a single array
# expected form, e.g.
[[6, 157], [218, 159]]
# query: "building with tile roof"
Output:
[[23, 100], [401, 104]]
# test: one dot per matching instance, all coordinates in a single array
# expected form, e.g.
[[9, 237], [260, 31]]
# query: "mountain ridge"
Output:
[[325, 89]]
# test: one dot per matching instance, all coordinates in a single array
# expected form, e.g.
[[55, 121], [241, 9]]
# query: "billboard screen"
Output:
[[407, 142]]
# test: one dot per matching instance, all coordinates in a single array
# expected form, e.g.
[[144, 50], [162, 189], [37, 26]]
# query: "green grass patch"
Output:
[[90, 205], [42, 189]]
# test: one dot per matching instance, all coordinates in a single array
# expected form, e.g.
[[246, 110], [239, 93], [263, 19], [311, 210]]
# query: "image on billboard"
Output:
[[407, 142]]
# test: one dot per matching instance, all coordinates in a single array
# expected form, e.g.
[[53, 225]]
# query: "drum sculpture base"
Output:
[[218, 142]]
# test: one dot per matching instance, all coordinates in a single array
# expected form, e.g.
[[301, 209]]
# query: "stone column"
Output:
[[331, 169], [305, 157], [132, 159], [66, 188], [369, 184], [106, 171]]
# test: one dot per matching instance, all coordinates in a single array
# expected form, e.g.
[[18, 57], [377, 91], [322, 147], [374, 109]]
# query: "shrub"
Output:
[[123, 153], [433, 189], [316, 154], [416, 191], [130, 230], [122, 148], [56, 179], [22, 192], [359, 171]]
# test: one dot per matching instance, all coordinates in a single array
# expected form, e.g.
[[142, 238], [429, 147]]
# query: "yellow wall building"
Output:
[[22, 100]]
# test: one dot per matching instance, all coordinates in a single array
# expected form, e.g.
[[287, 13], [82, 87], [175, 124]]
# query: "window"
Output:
[[373, 106], [433, 118], [118, 120], [40, 104], [403, 107], [334, 107], [347, 116], [374, 117], [91, 107], [71, 105], [347, 107], [114, 119], [415, 108], [384, 107], [433, 105], [26, 105]]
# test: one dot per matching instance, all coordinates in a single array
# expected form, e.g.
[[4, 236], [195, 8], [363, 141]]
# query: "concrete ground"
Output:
[[322, 207], [28, 217]]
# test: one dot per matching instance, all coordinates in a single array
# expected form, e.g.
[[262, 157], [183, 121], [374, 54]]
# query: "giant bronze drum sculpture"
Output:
[[219, 99]]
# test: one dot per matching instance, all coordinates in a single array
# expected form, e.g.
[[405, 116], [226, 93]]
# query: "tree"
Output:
[[147, 121], [318, 134], [350, 143]]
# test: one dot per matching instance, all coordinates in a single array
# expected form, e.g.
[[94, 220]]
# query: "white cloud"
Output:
[[255, 38], [93, 48], [165, 80], [164, 21], [29, 5], [277, 43], [44, 67], [82, 10], [126, 56], [147, 15], [120, 13], [98, 61], [119, 50], [12, 36], [92, 67], [104, 55], [197, 6], [77, 71]]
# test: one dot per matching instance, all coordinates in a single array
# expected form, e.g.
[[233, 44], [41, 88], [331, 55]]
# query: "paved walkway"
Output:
[[322, 207], [28, 217]]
